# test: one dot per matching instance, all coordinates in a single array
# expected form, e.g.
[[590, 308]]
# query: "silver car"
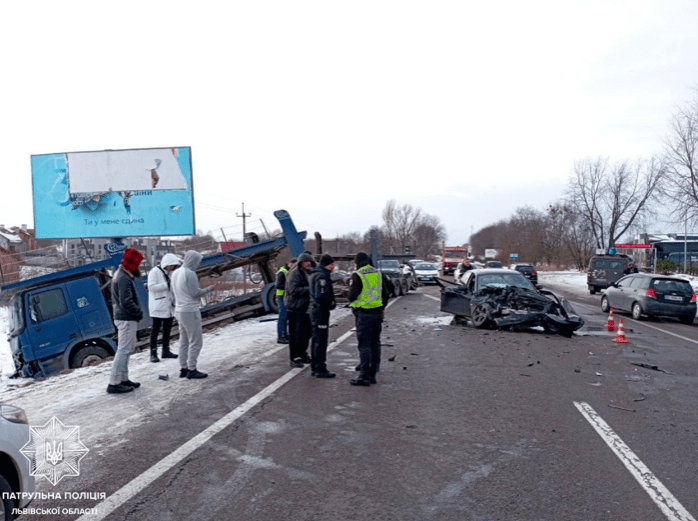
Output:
[[15, 468], [651, 295]]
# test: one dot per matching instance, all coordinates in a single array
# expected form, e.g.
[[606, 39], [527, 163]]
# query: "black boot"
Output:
[[154, 355], [166, 353]]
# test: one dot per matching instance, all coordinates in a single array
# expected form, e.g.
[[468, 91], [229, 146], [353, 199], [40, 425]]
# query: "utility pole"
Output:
[[244, 240], [244, 228]]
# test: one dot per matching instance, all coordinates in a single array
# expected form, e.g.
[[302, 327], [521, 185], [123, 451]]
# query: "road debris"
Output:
[[653, 367], [621, 408]]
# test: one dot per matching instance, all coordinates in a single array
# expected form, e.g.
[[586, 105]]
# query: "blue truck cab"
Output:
[[66, 321]]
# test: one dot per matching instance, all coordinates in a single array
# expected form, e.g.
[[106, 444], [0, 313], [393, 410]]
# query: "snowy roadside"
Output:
[[79, 396]]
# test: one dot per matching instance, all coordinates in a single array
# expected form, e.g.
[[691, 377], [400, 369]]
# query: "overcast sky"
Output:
[[327, 109]]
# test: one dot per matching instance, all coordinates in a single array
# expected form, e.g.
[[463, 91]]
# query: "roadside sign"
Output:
[[490, 254], [514, 256]]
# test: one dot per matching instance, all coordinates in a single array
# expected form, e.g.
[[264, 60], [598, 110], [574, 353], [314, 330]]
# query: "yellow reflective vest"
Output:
[[372, 290], [284, 270]]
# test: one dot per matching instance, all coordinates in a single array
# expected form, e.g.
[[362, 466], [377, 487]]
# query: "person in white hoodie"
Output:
[[188, 293], [161, 305]]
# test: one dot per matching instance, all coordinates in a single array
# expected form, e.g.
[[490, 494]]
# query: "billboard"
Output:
[[113, 193]]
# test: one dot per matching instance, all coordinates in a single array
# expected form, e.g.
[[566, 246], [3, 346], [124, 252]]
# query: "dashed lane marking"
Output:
[[667, 503], [140, 482]]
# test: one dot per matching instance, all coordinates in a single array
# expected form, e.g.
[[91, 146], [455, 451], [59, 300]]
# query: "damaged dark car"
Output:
[[506, 299]]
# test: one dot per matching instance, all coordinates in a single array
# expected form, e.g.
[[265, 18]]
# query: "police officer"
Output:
[[282, 323], [322, 301], [368, 295]]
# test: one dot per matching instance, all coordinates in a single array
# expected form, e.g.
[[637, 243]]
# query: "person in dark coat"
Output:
[[297, 301], [463, 268], [630, 269], [127, 314], [282, 323], [322, 301], [369, 292]]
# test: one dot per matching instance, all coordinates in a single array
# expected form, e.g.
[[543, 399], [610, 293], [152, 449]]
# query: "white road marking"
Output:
[[667, 332], [433, 298], [140, 482], [667, 503]]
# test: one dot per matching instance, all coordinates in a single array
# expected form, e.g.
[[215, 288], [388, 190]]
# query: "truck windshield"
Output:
[[389, 264], [459, 254], [16, 317]]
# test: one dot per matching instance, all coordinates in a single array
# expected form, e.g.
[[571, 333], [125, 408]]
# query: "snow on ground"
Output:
[[79, 396]]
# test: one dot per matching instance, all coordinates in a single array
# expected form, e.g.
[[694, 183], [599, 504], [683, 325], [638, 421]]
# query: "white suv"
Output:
[[15, 468]]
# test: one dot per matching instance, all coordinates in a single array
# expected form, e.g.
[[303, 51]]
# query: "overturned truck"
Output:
[[494, 298], [65, 319]]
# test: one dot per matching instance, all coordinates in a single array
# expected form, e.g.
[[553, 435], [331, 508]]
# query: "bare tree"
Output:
[[428, 236], [612, 198], [399, 224], [407, 226], [682, 160], [574, 232]]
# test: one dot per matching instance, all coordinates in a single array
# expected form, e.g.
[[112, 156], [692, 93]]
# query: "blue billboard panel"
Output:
[[113, 193]]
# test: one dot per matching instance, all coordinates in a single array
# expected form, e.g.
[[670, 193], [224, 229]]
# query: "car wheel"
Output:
[[89, 355], [687, 320], [637, 311], [7, 505], [605, 306], [480, 316]]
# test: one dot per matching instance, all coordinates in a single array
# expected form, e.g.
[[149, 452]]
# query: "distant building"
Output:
[[83, 251], [669, 247]]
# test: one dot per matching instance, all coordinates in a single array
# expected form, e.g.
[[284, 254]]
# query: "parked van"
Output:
[[604, 270]]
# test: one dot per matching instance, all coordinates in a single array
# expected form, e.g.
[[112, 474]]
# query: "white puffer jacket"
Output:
[[160, 296]]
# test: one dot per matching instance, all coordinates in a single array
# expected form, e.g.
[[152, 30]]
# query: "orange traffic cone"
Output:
[[610, 325], [620, 336]]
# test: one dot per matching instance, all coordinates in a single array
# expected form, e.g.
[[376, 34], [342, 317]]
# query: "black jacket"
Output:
[[321, 290], [124, 297], [297, 296]]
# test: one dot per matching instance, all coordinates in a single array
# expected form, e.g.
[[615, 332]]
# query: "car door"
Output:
[[623, 293], [469, 283]]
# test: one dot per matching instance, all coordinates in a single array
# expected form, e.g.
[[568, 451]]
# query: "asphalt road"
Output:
[[463, 424]]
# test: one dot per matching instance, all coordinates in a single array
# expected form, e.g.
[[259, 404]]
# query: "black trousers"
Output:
[[320, 318], [166, 325], [299, 332], [368, 333]]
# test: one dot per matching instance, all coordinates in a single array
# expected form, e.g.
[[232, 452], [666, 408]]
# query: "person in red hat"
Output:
[[127, 314]]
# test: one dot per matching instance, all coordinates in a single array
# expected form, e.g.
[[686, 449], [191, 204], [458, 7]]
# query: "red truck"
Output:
[[451, 256]]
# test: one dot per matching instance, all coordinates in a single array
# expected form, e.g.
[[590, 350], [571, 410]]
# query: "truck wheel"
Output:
[[592, 290], [271, 300], [89, 355]]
